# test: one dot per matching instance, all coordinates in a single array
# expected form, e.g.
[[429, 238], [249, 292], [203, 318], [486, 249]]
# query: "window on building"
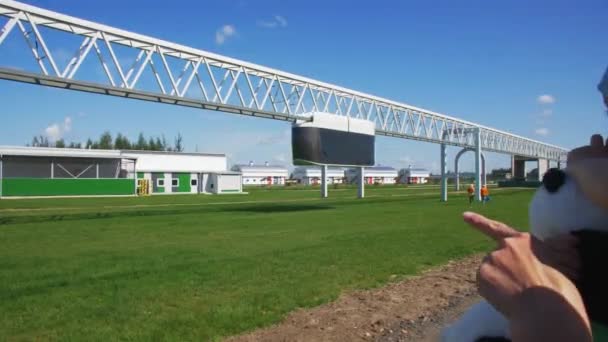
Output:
[[193, 182], [160, 182], [175, 182]]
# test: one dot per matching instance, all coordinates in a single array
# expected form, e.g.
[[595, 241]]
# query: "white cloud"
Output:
[[276, 21], [546, 113], [281, 158], [273, 139], [56, 131], [546, 99], [281, 20], [543, 131], [224, 33], [53, 132], [406, 160], [67, 124]]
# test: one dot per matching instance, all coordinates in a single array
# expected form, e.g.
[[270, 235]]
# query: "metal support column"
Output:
[[324, 181], [456, 175], [542, 167], [361, 183], [478, 164], [444, 174], [0, 176]]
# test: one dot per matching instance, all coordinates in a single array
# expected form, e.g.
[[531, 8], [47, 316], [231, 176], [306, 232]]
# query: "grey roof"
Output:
[[87, 152], [247, 167], [59, 152], [381, 168], [174, 153], [416, 170]]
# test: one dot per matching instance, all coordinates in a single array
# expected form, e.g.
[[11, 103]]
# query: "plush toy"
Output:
[[559, 206]]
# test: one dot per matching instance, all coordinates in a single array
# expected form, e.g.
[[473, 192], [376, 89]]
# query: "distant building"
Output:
[[533, 174], [161, 172], [311, 175], [374, 175], [414, 176], [262, 174], [47, 171], [500, 174]]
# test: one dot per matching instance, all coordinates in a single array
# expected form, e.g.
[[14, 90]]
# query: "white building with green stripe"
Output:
[[175, 173], [43, 171]]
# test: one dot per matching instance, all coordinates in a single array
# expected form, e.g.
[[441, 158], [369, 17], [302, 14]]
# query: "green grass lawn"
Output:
[[204, 267]]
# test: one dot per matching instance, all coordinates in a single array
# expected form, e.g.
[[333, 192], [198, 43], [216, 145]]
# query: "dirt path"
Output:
[[414, 309]]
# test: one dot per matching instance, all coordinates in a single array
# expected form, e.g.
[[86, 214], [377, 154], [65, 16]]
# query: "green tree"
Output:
[[89, 144], [105, 141], [166, 146], [178, 143], [151, 144], [118, 142], [60, 143], [141, 142], [122, 142], [159, 145]]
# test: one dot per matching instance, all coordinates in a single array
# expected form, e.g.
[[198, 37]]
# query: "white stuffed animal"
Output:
[[559, 206]]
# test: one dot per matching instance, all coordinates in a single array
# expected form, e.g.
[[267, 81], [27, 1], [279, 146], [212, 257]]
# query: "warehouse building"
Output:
[[374, 175], [414, 176], [43, 171], [311, 175], [178, 172], [262, 174]]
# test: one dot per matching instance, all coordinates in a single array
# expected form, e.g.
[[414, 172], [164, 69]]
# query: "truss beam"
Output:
[[210, 81]]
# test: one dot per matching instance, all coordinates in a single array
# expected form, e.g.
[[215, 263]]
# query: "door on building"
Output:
[[194, 183]]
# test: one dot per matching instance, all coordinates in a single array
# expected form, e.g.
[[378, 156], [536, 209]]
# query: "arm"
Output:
[[541, 303]]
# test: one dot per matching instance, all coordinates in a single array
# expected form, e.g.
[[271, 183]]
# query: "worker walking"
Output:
[[471, 193], [485, 194]]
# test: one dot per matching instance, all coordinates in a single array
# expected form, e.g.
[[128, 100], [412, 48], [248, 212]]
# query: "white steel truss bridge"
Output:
[[111, 61]]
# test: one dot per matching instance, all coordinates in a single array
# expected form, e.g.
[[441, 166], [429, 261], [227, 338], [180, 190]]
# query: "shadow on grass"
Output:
[[272, 209], [195, 209]]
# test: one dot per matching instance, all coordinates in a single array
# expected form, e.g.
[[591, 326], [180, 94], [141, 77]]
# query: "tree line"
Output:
[[120, 142]]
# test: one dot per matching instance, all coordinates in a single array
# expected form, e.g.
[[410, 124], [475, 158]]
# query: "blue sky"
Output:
[[488, 62]]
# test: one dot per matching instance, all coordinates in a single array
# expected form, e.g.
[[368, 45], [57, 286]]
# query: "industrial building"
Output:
[[311, 175], [262, 174], [414, 176], [374, 175], [178, 172], [44, 171]]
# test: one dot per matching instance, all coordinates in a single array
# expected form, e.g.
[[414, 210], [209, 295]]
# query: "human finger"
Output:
[[492, 285], [493, 229]]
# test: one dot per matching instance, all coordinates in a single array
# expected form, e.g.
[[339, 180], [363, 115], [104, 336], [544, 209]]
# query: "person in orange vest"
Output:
[[471, 193], [485, 194]]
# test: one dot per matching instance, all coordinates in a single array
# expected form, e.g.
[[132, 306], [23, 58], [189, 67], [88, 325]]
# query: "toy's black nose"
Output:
[[554, 179]]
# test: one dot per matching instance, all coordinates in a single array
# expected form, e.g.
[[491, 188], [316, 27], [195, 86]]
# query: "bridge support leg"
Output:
[[444, 174], [478, 165], [361, 183], [518, 168], [543, 166], [324, 181], [456, 175]]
